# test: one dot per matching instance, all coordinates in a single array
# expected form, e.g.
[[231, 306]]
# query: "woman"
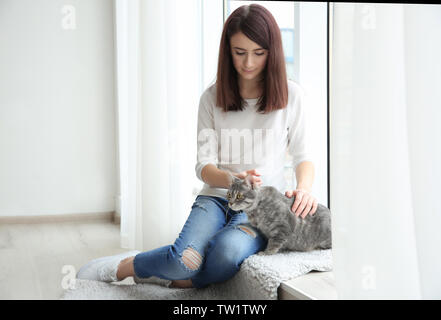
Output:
[[251, 96]]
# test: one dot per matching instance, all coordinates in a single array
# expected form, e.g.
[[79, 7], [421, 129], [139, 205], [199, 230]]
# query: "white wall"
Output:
[[57, 108]]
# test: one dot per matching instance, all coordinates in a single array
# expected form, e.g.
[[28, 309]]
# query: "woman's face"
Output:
[[249, 58]]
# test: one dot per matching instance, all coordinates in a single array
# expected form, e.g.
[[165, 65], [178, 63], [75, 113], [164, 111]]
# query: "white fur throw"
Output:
[[258, 279]]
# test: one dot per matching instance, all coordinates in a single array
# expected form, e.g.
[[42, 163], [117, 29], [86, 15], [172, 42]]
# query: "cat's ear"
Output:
[[233, 179], [248, 181]]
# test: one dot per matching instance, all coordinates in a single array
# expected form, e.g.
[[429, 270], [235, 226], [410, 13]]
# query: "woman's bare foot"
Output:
[[125, 269], [182, 284]]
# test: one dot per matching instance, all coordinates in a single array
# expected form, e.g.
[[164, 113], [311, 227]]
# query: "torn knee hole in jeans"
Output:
[[191, 259], [248, 230]]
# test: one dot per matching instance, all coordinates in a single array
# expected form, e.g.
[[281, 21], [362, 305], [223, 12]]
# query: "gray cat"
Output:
[[270, 211]]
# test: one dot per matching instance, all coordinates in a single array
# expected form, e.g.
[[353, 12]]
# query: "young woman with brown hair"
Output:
[[251, 96]]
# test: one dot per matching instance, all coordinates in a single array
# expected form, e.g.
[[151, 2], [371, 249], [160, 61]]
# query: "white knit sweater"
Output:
[[242, 140]]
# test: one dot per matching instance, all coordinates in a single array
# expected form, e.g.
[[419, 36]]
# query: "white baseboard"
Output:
[[71, 217]]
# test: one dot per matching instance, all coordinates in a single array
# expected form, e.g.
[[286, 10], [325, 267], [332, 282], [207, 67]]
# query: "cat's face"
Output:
[[241, 194]]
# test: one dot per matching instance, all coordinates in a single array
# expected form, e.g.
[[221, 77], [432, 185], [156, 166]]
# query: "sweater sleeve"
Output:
[[297, 137], [207, 142]]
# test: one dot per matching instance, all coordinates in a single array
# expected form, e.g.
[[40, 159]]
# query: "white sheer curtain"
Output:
[[158, 46], [385, 150]]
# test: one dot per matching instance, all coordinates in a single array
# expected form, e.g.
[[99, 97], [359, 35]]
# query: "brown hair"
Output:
[[259, 25]]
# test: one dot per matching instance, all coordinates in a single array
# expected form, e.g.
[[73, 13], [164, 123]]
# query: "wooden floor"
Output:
[[32, 255]]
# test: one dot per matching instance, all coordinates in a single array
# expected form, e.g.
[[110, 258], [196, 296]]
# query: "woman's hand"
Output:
[[251, 175], [304, 204]]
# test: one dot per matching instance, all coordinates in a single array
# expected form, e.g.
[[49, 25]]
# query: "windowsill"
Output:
[[314, 285]]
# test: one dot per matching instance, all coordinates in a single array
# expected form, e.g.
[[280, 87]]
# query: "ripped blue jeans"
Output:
[[212, 245]]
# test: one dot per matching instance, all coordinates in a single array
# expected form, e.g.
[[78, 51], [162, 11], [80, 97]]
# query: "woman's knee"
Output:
[[235, 245]]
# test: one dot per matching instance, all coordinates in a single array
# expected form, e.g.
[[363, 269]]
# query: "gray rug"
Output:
[[258, 279]]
